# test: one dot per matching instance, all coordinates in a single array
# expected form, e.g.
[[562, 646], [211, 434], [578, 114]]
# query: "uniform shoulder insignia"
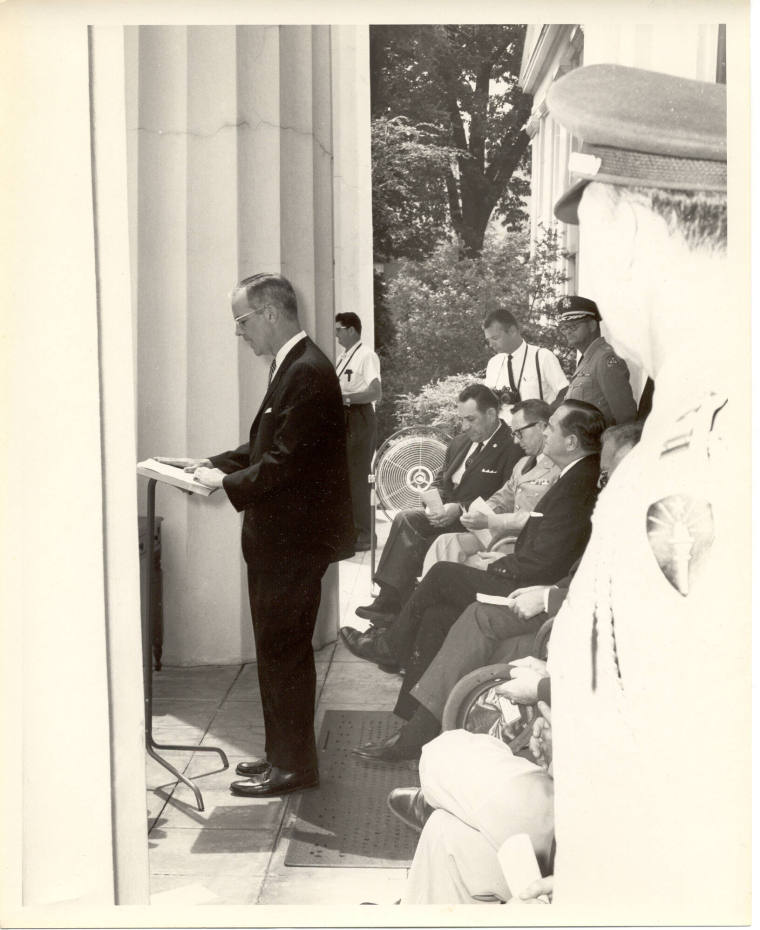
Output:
[[612, 361], [680, 533]]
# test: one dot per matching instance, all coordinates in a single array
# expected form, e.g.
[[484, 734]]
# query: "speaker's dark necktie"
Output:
[[272, 369], [511, 374], [473, 455]]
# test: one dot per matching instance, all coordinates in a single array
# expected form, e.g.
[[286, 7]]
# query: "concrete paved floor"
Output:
[[233, 851]]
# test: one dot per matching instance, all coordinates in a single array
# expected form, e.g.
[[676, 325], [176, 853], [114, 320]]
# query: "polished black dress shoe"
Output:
[[383, 621], [388, 750], [277, 782], [249, 769], [383, 614], [369, 646], [385, 605], [409, 805]]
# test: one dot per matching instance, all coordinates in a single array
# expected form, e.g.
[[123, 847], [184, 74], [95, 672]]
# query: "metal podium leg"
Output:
[[147, 640], [373, 525]]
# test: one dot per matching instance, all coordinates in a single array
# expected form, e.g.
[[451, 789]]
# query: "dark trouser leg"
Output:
[[448, 584], [436, 623], [361, 436], [482, 635], [404, 552], [284, 605]]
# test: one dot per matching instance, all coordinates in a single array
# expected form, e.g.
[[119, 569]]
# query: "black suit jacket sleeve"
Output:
[[296, 442], [548, 546], [232, 460], [488, 472], [454, 451]]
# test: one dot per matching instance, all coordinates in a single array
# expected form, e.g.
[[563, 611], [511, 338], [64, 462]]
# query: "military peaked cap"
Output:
[[573, 308], [641, 129]]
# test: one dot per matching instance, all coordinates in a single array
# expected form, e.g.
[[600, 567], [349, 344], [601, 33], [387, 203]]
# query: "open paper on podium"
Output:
[[170, 474]]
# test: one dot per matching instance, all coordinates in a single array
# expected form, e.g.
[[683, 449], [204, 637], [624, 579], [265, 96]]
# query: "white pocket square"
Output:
[[268, 410], [489, 471]]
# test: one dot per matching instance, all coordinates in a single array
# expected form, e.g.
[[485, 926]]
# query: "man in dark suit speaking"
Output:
[[291, 481]]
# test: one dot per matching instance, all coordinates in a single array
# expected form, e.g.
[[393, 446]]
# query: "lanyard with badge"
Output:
[[344, 369]]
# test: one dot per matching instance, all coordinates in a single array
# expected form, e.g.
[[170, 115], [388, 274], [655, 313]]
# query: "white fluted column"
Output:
[[236, 173]]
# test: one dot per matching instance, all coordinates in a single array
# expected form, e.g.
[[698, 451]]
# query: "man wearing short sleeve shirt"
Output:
[[358, 370], [519, 371]]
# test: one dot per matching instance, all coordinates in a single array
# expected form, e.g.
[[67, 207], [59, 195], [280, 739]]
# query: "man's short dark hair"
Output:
[[484, 397], [584, 421], [623, 435], [349, 320], [267, 288], [533, 409], [499, 315]]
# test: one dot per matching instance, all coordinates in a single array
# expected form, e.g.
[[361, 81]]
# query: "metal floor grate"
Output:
[[346, 821]]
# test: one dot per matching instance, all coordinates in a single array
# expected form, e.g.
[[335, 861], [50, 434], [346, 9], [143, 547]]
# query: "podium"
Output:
[[157, 472]]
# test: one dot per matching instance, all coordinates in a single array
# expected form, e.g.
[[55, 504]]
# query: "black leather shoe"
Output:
[[409, 805], [277, 782], [383, 607], [388, 750], [249, 769], [369, 646], [383, 621]]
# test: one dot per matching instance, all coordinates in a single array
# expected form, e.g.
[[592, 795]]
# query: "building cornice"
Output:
[[536, 58]]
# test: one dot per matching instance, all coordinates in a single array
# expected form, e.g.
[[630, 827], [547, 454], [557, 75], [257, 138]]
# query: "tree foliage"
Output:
[[438, 306], [457, 85], [409, 165]]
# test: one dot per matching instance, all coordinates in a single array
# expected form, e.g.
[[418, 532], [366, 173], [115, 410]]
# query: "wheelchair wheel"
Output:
[[472, 706]]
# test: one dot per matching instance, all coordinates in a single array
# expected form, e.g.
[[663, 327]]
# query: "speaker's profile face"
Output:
[[250, 324]]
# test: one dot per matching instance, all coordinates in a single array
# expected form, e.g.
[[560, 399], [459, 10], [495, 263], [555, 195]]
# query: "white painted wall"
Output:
[[73, 774]]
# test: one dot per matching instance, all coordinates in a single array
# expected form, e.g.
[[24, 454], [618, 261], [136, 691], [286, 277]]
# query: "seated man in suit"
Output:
[[488, 633], [512, 504], [478, 462], [455, 861], [548, 545]]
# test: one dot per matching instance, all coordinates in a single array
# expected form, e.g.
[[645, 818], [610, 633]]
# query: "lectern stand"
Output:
[[166, 474]]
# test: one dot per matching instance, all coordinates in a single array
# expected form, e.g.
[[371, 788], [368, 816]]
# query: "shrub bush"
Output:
[[437, 307]]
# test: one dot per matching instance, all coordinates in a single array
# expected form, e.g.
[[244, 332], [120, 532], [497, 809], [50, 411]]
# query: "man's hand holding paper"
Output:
[[449, 514], [211, 477], [475, 519]]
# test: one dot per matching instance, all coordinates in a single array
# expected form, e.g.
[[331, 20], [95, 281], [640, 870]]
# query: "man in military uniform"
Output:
[[649, 654], [601, 377]]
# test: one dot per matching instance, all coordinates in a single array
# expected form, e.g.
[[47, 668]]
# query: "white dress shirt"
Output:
[[280, 357]]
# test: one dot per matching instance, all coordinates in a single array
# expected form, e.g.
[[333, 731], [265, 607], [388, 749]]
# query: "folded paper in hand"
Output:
[[170, 474], [432, 501], [498, 599], [480, 506]]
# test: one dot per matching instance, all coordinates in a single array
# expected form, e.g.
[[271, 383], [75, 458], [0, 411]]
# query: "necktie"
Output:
[[511, 374], [272, 369], [530, 464], [473, 455]]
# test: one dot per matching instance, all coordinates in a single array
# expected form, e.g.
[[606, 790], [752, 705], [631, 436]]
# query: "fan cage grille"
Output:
[[407, 465]]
